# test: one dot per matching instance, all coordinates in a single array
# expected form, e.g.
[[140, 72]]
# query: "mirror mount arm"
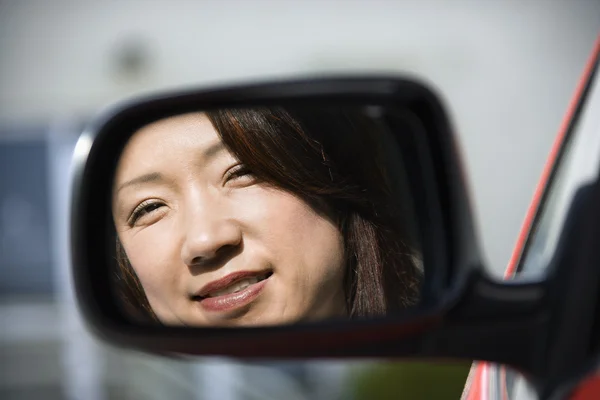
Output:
[[496, 320]]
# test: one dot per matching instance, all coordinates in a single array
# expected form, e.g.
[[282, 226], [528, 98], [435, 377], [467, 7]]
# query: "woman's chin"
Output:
[[245, 318], [259, 315]]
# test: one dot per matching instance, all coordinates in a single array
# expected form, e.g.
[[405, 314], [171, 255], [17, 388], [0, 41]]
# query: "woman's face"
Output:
[[213, 246]]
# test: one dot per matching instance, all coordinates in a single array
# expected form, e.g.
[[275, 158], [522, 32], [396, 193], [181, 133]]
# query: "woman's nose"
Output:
[[208, 237]]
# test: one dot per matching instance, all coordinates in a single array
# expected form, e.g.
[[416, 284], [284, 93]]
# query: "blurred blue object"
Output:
[[24, 218]]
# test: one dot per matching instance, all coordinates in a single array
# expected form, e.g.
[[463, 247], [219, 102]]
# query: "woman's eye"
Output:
[[142, 210], [239, 173]]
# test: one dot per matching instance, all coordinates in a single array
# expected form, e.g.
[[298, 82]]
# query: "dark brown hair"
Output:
[[333, 159]]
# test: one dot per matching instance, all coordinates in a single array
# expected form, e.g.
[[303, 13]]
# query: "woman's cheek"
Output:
[[149, 248], [256, 210], [274, 206]]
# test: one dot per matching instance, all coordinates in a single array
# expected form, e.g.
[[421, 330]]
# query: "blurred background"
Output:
[[506, 70]]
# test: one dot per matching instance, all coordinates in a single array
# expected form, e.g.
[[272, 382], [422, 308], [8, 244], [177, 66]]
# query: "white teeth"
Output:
[[236, 287]]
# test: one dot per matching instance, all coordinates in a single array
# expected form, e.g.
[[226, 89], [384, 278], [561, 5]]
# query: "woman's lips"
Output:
[[210, 300]]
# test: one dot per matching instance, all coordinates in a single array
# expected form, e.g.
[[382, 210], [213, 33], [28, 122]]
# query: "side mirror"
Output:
[[311, 218]]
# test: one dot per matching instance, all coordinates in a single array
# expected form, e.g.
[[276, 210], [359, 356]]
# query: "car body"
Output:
[[574, 157]]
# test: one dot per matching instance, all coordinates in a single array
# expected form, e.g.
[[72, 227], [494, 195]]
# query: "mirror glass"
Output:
[[264, 216]]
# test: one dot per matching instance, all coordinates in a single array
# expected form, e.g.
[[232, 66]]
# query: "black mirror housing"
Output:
[[437, 184]]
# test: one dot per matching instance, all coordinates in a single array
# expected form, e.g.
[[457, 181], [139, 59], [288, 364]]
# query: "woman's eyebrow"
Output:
[[152, 177], [212, 151]]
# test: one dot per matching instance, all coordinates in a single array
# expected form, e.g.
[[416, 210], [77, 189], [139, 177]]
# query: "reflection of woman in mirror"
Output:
[[259, 217]]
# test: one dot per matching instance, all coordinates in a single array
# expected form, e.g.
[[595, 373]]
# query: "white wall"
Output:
[[507, 69]]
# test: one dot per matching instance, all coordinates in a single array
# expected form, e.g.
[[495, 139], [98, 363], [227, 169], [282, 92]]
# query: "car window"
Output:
[[577, 165]]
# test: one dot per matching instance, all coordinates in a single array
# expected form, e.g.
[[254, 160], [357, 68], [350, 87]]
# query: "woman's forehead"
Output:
[[169, 138], [191, 127]]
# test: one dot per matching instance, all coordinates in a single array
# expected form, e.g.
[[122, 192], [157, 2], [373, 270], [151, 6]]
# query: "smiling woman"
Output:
[[262, 216]]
